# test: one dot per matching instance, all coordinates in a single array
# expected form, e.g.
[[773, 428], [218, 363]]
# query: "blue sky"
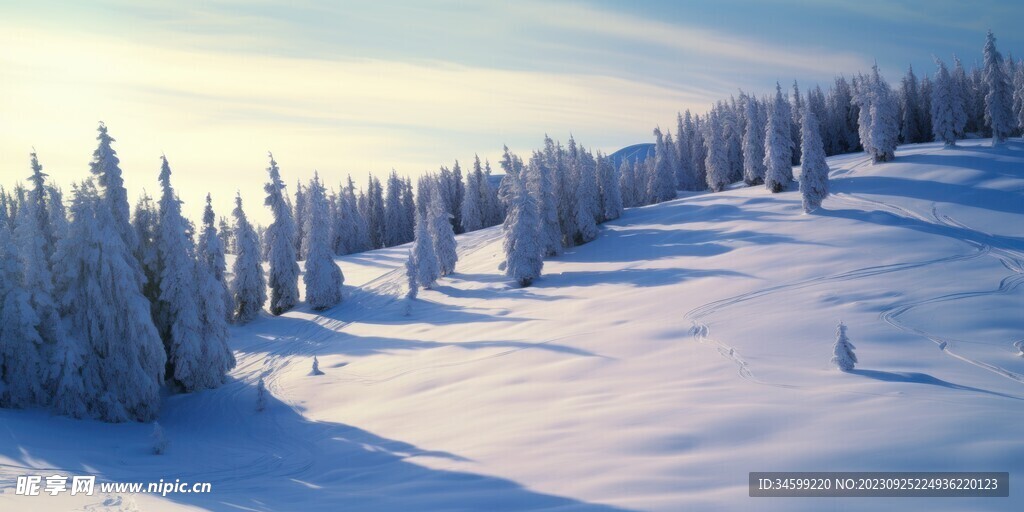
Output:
[[366, 87]]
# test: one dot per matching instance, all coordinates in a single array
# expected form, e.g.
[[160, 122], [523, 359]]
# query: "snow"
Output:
[[650, 369]]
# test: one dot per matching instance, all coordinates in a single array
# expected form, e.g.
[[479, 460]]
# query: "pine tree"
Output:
[[215, 303], [180, 325], [316, 367], [21, 346], [411, 275], [999, 94], [284, 271], [663, 186], [879, 116], [458, 197], [159, 439], [145, 219], [611, 194], [797, 111], [248, 290], [948, 116], [540, 183], [261, 395], [471, 214], [910, 115], [778, 141], [427, 268], [587, 202], [1018, 96], [441, 232], [394, 216], [210, 251], [753, 142], [684, 169], [107, 168], [814, 170], [717, 159], [299, 210], [124, 364], [843, 356], [521, 230], [323, 279]]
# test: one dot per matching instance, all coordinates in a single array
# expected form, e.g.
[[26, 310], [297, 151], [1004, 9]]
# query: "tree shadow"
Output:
[[923, 378], [271, 460], [639, 277], [968, 194]]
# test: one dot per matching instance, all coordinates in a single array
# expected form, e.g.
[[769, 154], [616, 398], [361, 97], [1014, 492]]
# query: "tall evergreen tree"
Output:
[[394, 216], [948, 116], [284, 271], [521, 230], [471, 215], [442, 233], [998, 95], [778, 141], [427, 268], [685, 178], [323, 278], [248, 290], [663, 185], [611, 194], [814, 170], [107, 168], [717, 160], [211, 253], [753, 142], [299, 211], [124, 364]]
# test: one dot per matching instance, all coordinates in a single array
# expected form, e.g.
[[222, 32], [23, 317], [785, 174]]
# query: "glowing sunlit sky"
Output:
[[366, 87]]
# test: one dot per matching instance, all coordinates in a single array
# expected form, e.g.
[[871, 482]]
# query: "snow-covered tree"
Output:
[[814, 170], [879, 116], [685, 174], [999, 93], [717, 159], [797, 111], [299, 213], [316, 367], [540, 183], [1018, 96], [441, 232], [159, 439], [21, 346], [911, 116], [248, 290], [178, 319], [427, 267], [611, 194], [842, 352], [753, 142], [284, 271], [521, 230], [411, 276], [948, 116], [210, 251], [471, 214], [323, 278], [394, 214], [107, 168], [663, 185], [261, 395], [587, 201], [778, 144], [124, 365]]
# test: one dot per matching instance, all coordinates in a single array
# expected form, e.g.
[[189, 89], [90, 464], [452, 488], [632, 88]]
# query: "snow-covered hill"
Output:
[[651, 369]]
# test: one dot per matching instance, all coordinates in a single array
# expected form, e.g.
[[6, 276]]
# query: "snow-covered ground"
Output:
[[649, 370]]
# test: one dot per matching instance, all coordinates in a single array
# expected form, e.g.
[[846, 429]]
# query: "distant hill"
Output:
[[632, 153]]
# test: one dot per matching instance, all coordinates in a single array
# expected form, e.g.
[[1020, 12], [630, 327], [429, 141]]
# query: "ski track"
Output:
[[1012, 260]]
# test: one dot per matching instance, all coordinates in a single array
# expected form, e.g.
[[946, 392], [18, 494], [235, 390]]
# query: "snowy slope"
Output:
[[651, 369]]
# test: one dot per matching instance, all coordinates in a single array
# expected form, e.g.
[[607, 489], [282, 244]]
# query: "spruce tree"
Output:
[[123, 368], [611, 194], [753, 142], [106, 166], [777, 145], [814, 170], [947, 113], [442, 234], [323, 279], [180, 327], [21, 346], [842, 352], [717, 159], [663, 186], [521, 231], [248, 291], [427, 268], [284, 271], [210, 251], [471, 214], [998, 95]]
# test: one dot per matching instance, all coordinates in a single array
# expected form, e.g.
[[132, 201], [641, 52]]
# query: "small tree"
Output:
[[261, 395], [159, 439], [316, 367], [423, 254], [843, 356], [411, 276]]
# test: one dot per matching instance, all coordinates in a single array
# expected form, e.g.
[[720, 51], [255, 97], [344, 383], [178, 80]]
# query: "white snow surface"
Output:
[[651, 369]]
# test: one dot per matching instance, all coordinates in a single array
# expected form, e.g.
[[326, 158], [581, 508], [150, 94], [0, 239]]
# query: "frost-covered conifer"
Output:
[[179, 319], [284, 271], [471, 215], [299, 213], [316, 367], [248, 290], [261, 395], [753, 142], [814, 169], [441, 232], [998, 94], [521, 230], [778, 142], [394, 215], [948, 116], [210, 251], [159, 439], [124, 364], [21, 346], [323, 278], [107, 168], [427, 267], [411, 275], [843, 356], [587, 201], [717, 159], [663, 184], [611, 194]]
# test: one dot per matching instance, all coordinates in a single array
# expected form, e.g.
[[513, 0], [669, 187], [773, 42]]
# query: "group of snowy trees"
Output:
[[758, 140], [98, 310]]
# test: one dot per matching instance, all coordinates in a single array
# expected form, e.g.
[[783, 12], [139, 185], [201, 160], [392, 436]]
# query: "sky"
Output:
[[367, 87]]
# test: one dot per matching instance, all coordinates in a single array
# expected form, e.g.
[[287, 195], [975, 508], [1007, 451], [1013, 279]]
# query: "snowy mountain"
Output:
[[650, 369]]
